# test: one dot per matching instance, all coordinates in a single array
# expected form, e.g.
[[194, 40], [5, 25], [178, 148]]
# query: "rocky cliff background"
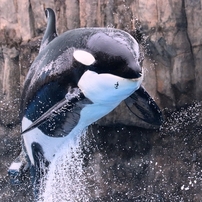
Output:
[[166, 165]]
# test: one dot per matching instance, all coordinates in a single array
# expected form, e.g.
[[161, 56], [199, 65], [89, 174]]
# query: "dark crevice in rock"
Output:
[[31, 20], [186, 25]]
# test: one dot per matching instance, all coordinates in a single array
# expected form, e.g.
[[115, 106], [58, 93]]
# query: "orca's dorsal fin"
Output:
[[50, 32]]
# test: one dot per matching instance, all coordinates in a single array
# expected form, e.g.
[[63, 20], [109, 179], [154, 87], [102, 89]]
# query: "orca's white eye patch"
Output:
[[84, 57]]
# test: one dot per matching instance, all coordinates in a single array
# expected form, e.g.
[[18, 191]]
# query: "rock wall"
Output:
[[169, 32]]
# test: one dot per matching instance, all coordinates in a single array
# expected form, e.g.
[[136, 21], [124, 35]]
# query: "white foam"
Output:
[[65, 180], [15, 166]]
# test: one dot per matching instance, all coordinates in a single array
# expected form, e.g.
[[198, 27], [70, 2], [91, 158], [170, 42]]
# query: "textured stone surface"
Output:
[[170, 33], [10, 90], [172, 36]]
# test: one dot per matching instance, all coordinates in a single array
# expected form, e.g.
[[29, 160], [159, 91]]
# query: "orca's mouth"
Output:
[[130, 72], [126, 73], [139, 76]]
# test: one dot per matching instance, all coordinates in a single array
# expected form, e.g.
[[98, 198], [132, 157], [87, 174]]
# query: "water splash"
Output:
[[109, 173], [65, 180]]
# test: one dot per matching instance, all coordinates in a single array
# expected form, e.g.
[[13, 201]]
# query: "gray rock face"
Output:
[[171, 40], [172, 37], [10, 90]]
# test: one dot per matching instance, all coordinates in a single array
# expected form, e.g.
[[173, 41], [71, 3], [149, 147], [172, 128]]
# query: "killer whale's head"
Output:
[[112, 65]]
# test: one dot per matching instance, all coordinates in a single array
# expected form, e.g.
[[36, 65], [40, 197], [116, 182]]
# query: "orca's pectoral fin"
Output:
[[65, 104], [144, 107]]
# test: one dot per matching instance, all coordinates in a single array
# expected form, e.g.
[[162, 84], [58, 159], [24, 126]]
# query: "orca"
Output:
[[77, 78]]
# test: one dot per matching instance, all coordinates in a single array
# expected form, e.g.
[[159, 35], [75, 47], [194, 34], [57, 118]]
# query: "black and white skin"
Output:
[[77, 78]]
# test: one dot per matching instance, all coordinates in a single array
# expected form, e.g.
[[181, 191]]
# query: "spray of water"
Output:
[[65, 180]]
